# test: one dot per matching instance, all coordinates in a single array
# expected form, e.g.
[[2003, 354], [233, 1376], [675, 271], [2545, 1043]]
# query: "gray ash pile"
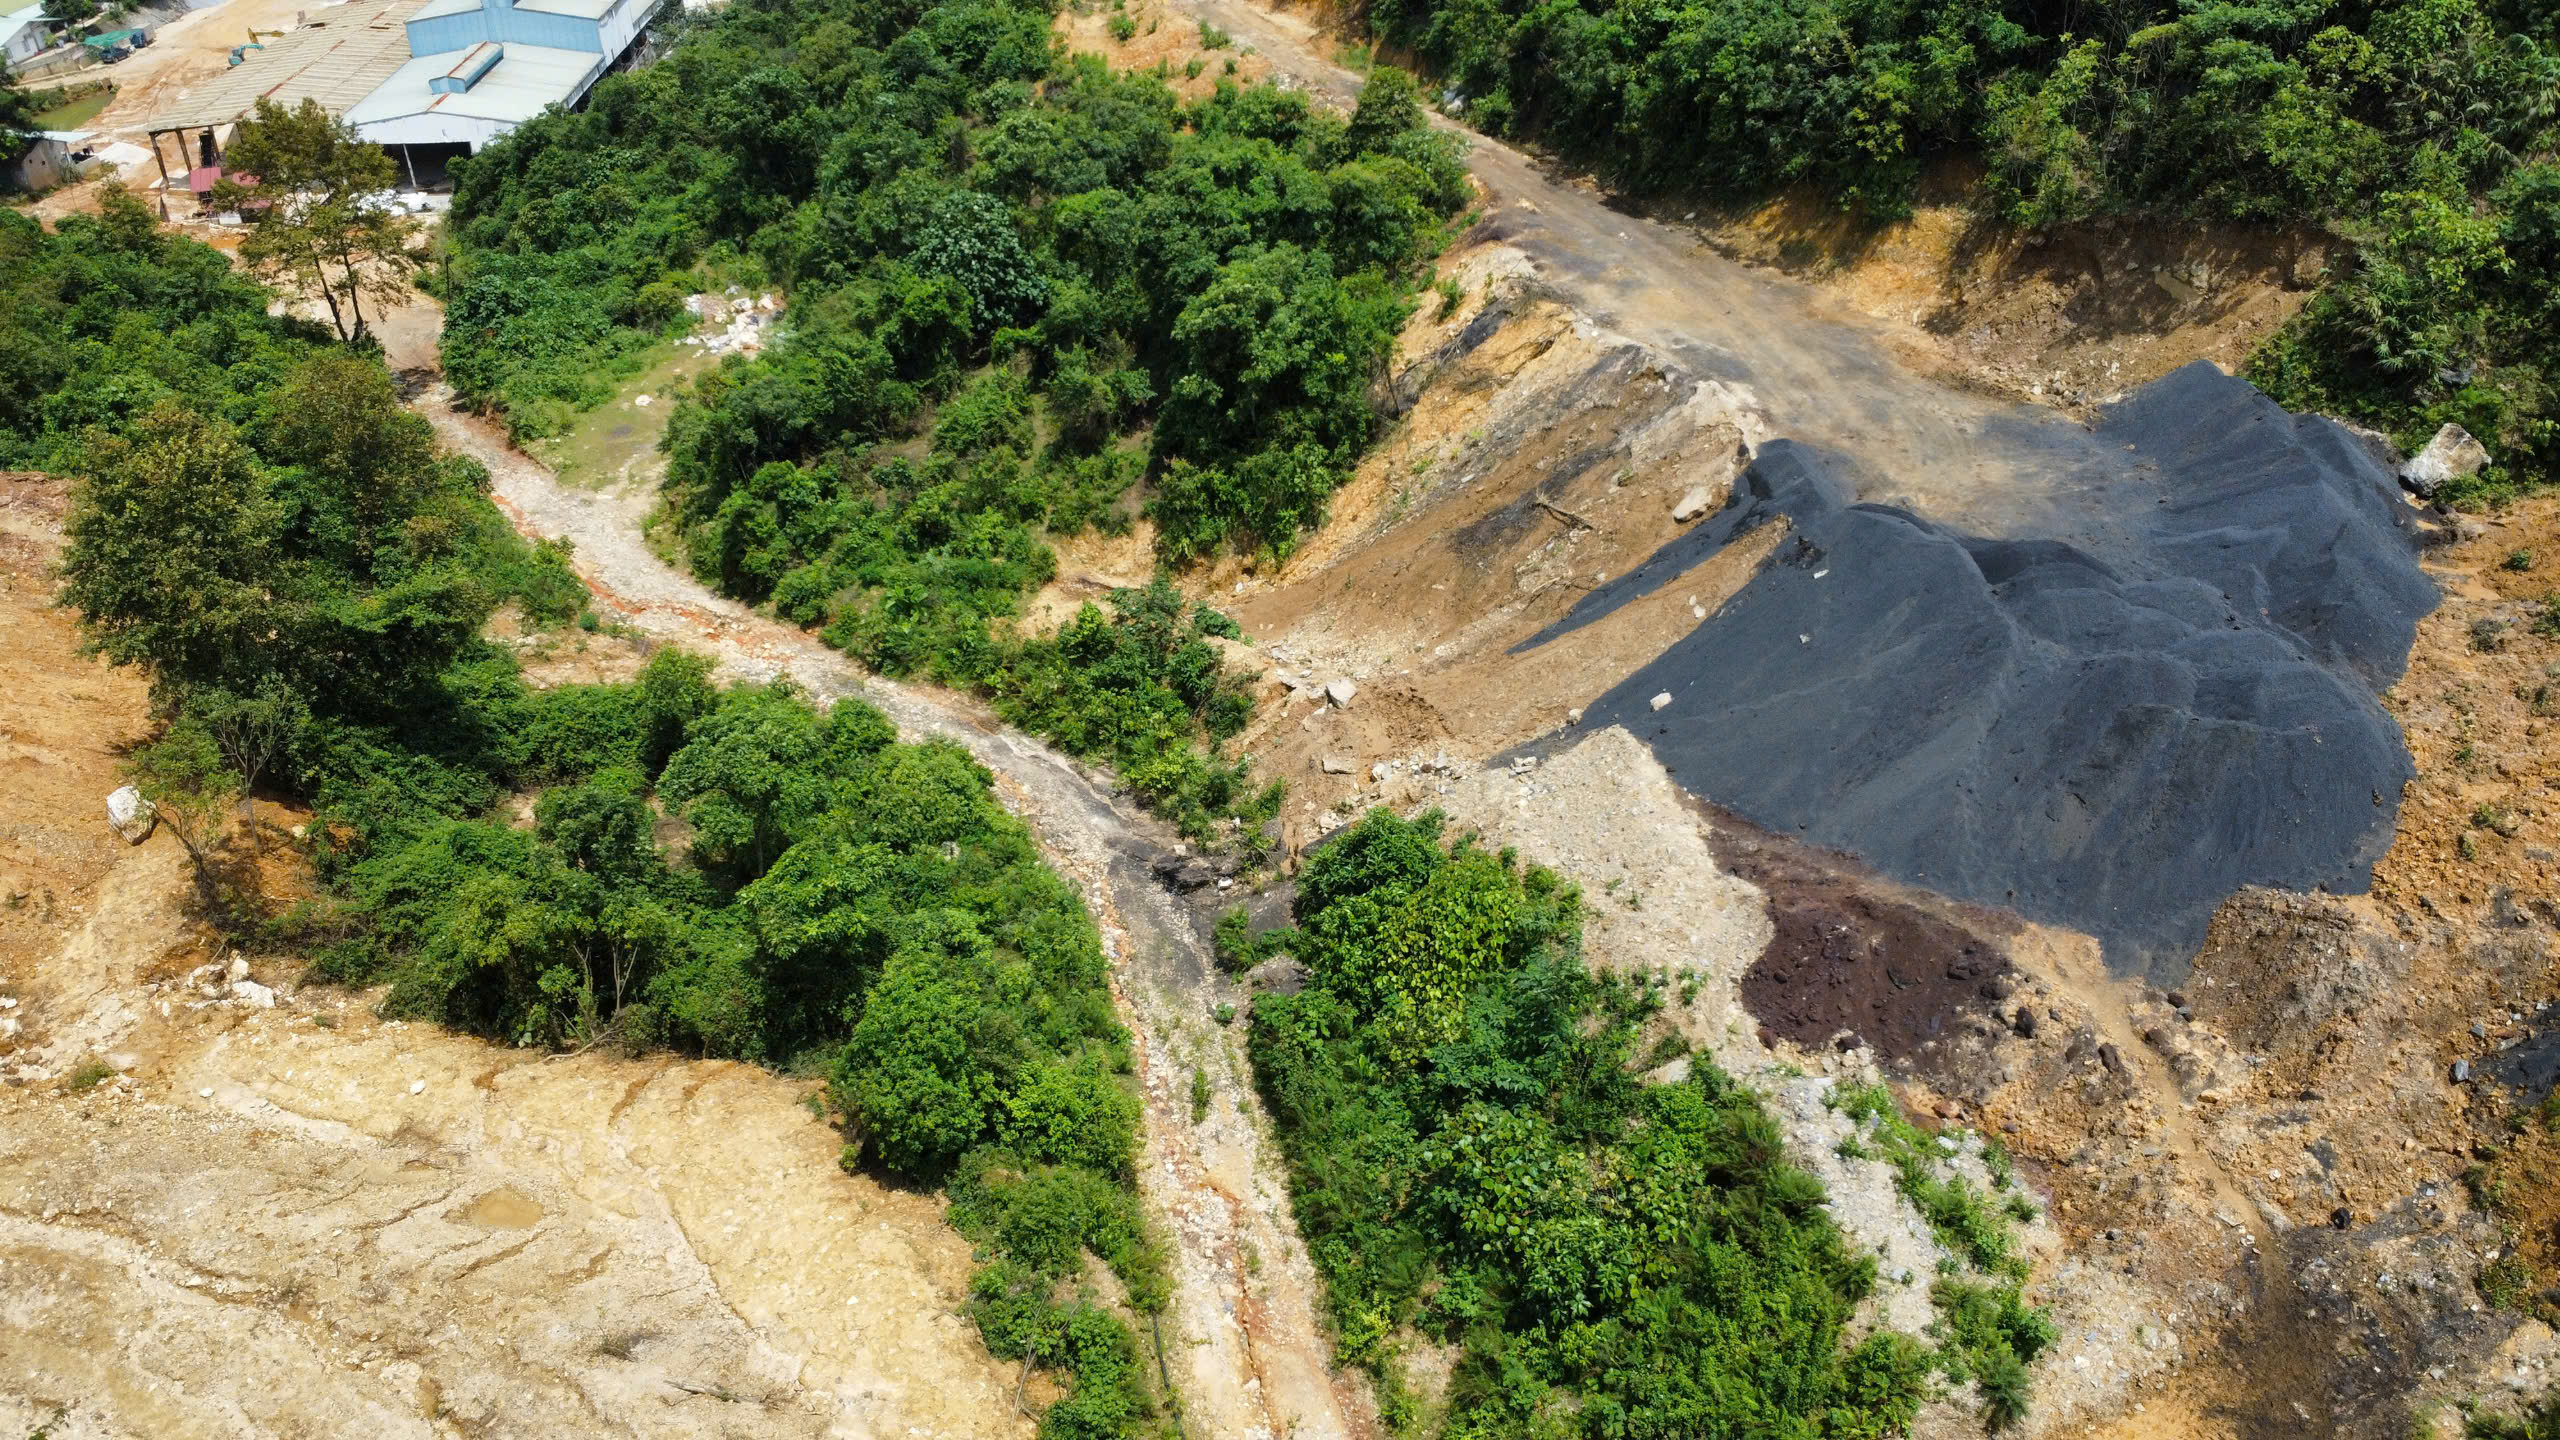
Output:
[[2109, 738]]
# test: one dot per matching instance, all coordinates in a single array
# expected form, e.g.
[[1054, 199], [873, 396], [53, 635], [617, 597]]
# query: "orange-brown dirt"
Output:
[[1163, 39], [259, 1209], [2068, 317]]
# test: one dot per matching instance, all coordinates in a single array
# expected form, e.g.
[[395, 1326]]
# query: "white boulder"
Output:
[[1691, 506], [2452, 455], [131, 815]]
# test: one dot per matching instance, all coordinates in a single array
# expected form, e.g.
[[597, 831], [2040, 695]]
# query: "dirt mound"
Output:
[[2112, 738], [1849, 965]]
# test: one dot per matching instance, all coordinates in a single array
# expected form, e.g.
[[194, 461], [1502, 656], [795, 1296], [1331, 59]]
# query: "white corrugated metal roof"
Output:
[[338, 58], [583, 9], [525, 79]]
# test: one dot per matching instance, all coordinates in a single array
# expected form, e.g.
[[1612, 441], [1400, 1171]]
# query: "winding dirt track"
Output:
[[1242, 1343]]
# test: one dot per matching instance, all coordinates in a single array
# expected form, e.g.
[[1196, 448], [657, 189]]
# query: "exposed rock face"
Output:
[[2452, 455]]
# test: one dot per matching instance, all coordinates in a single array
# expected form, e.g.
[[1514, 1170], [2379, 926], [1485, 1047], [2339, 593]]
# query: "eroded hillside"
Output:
[[237, 1204]]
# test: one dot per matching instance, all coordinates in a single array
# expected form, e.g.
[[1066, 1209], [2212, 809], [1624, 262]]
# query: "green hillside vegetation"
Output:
[[261, 528], [1476, 1163], [1022, 290], [2422, 129]]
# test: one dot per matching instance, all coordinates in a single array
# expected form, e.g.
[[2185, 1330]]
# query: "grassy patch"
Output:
[[76, 114], [618, 437]]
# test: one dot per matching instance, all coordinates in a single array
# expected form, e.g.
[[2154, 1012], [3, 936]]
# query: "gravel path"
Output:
[[1242, 1343]]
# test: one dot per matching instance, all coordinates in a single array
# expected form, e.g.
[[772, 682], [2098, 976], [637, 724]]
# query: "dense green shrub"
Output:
[[1473, 1158]]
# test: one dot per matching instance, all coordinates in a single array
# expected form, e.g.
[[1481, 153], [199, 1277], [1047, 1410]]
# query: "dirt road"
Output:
[[1242, 1342], [1812, 370]]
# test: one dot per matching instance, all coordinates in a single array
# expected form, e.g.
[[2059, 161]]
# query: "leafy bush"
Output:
[[1472, 1157]]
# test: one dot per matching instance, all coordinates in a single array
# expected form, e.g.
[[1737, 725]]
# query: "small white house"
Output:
[[55, 158], [24, 34]]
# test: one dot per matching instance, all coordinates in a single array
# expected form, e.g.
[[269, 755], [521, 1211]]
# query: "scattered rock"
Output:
[[1573, 716], [131, 815], [237, 970], [1380, 771], [1194, 876], [1691, 506], [2461, 1072], [1338, 764], [2452, 455], [2341, 1218], [2024, 1022], [2110, 1057], [1661, 700], [417, 1087], [254, 993], [1340, 691]]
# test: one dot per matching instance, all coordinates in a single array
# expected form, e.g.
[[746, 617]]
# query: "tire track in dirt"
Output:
[[1243, 1342]]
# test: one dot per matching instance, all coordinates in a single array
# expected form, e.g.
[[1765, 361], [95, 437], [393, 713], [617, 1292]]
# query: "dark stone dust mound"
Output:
[[2113, 742], [1898, 977]]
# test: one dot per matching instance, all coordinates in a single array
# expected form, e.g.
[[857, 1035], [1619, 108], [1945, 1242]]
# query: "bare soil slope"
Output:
[[226, 1217]]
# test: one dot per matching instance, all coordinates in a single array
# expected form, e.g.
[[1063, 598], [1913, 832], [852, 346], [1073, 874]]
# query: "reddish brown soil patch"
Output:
[[1900, 975]]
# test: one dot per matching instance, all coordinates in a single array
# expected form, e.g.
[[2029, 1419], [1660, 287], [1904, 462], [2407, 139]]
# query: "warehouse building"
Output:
[[425, 81]]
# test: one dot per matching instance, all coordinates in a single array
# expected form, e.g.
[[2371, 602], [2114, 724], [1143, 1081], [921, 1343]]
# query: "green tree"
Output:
[[17, 117], [909, 1075], [749, 776], [310, 190], [171, 558], [183, 775], [254, 730], [339, 416]]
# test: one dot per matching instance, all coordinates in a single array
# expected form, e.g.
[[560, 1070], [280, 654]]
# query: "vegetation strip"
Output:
[[2420, 130]]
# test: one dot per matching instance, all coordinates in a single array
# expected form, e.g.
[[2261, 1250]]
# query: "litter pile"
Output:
[[2114, 744], [737, 322]]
